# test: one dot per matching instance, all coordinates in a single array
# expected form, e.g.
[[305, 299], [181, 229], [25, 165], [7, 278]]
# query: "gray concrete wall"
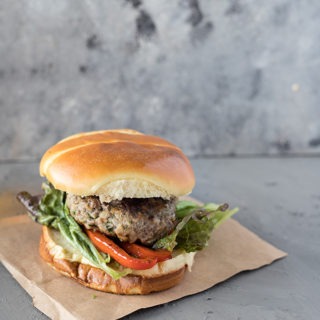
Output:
[[215, 77]]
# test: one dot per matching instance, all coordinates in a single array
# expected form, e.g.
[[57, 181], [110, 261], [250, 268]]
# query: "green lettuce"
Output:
[[53, 213], [195, 226], [192, 232]]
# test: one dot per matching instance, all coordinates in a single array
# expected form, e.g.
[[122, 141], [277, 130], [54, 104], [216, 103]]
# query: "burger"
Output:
[[112, 215]]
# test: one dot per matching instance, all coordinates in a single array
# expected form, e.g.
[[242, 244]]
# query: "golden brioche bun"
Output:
[[118, 164], [163, 276]]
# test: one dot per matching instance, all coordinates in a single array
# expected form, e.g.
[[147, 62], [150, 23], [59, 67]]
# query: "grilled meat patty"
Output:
[[131, 220]]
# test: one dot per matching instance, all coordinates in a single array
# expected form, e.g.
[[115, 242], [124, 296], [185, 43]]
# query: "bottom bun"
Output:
[[163, 276]]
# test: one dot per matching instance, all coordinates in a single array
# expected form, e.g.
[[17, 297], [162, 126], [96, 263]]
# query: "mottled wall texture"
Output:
[[232, 77]]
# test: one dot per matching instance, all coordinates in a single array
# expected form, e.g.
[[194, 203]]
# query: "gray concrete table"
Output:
[[279, 200]]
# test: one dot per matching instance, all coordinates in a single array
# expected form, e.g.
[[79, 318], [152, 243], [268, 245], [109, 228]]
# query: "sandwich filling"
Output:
[[145, 220], [192, 226], [60, 248]]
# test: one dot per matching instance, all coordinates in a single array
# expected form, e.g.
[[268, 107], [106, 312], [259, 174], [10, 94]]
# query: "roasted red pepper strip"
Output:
[[143, 252], [106, 245]]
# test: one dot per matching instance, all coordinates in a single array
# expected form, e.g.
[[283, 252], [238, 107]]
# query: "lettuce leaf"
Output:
[[195, 226], [192, 233], [53, 213]]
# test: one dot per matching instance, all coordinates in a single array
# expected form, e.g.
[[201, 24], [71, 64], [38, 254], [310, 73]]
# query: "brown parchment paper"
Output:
[[232, 249]]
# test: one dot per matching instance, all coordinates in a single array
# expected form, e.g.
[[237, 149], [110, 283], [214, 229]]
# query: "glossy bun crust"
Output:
[[95, 278], [118, 163]]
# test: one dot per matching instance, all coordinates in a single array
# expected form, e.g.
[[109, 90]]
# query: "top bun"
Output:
[[116, 164]]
